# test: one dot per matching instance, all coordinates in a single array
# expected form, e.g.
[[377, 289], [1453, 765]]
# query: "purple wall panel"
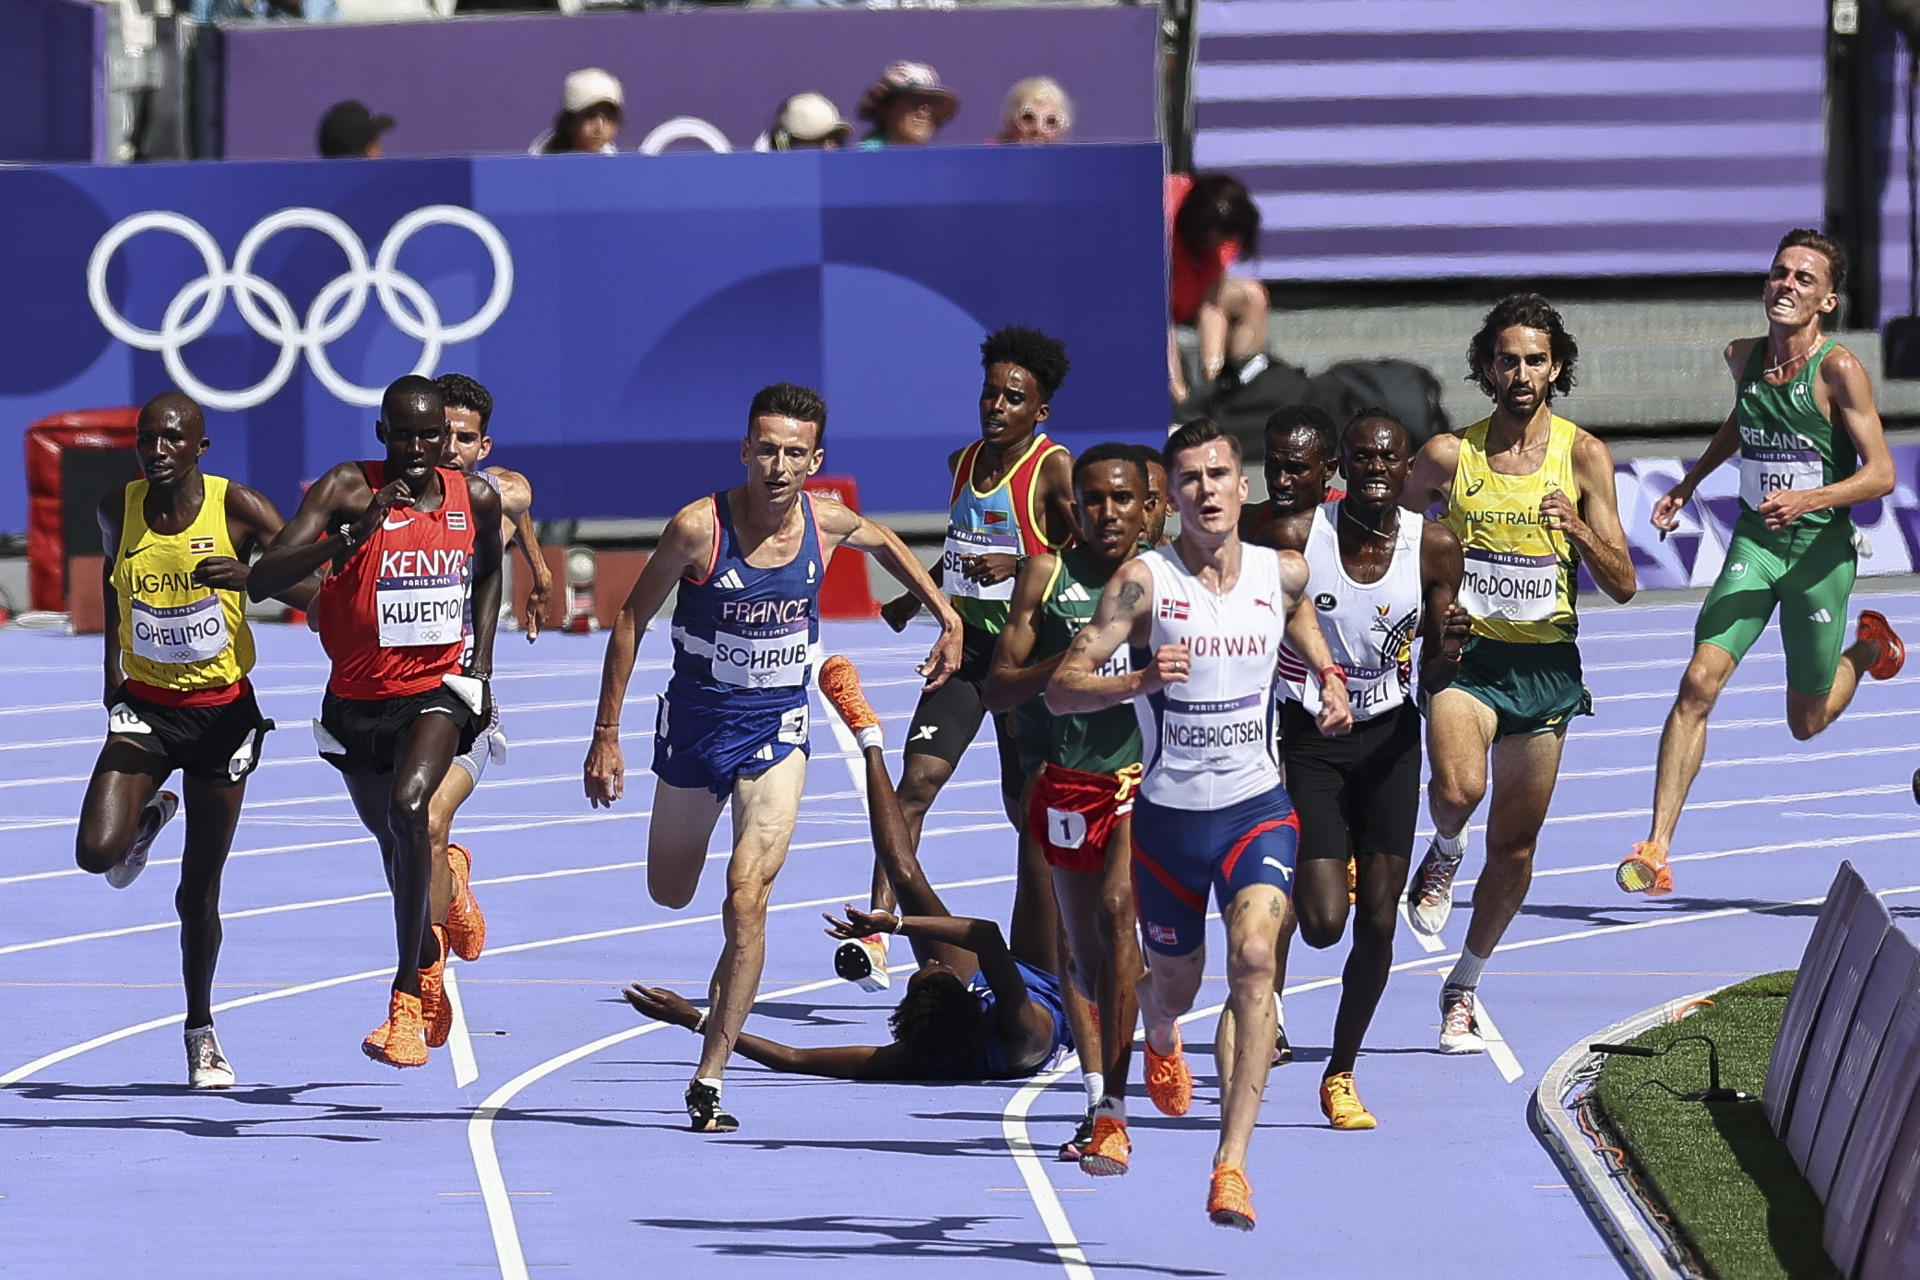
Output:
[[1803, 1006], [1889, 984], [1838, 1004], [49, 50]]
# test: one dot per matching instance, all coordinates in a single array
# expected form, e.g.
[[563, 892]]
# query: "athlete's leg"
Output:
[[213, 813], [371, 794], [893, 850], [1460, 729], [1246, 304], [1525, 768], [125, 778], [422, 755], [1810, 713], [764, 809], [1121, 961], [921, 777], [1382, 879], [1254, 921], [1823, 671], [678, 830], [1166, 992], [447, 799], [1683, 742]]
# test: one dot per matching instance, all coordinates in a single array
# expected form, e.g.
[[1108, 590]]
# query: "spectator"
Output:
[[1037, 110], [591, 101], [1214, 223], [808, 121], [906, 106], [349, 129], [264, 10]]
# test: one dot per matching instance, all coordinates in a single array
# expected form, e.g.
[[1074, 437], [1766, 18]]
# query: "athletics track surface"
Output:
[[322, 1163]]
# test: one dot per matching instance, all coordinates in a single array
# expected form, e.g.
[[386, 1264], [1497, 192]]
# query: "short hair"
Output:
[[1110, 452], [1525, 311], [458, 391], [790, 400], [1291, 418], [1824, 245], [1032, 89], [1194, 433], [940, 1022], [1041, 355], [1150, 457], [1375, 413], [1218, 204], [410, 393]]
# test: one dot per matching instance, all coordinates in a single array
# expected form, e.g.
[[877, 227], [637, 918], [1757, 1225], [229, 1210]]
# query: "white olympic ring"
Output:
[[268, 312]]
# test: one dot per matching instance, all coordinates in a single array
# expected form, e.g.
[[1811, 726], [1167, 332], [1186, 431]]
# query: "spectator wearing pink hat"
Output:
[[907, 105], [591, 102]]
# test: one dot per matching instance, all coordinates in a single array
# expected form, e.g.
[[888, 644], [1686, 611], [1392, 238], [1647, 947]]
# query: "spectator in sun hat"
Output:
[[906, 106], [350, 129], [1037, 110], [591, 103], [807, 121]]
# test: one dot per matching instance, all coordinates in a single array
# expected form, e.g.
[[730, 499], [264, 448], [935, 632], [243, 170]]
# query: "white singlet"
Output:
[[1206, 738], [1369, 626]]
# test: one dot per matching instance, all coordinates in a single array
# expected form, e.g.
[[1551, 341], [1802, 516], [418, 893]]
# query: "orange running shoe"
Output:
[[1645, 871], [435, 1012], [466, 927], [1353, 880], [1106, 1155], [840, 685], [1893, 654], [1230, 1199], [1341, 1104], [1169, 1083], [397, 1041]]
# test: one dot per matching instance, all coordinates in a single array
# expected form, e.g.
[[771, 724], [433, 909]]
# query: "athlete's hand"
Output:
[[995, 566], [1666, 512], [1172, 664], [392, 494], [944, 659], [1784, 506], [222, 573], [1455, 630], [1558, 512], [537, 606], [899, 611], [606, 769], [662, 1005], [1336, 715], [860, 924]]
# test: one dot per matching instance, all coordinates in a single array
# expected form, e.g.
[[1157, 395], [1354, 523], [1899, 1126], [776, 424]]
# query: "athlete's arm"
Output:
[[1281, 535], [111, 513], [1011, 681], [252, 523], [1594, 526], [686, 547], [837, 1062], [1055, 483], [903, 608], [1444, 624], [307, 542], [1725, 443], [1123, 616], [485, 590], [516, 502], [1303, 633], [1850, 404], [1430, 478], [1022, 1026], [841, 525]]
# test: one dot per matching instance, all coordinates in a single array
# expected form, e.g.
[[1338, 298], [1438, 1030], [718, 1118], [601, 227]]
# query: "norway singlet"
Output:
[[1003, 519], [1369, 626], [177, 636], [1520, 574], [749, 637], [1206, 738], [1786, 442], [392, 619]]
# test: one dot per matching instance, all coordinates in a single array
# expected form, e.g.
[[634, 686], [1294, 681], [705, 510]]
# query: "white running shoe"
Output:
[[864, 961], [207, 1067], [1430, 898], [1458, 1031], [128, 869]]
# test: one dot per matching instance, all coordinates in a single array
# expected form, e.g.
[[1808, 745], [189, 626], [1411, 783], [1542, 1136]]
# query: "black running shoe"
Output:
[[1282, 1051], [1072, 1149], [1916, 786], [703, 1110]]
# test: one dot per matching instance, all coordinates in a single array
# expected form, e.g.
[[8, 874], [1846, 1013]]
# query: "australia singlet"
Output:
[[1002, 520], [1368, 626], [1520, 574], [392, 619], [748, 637], [1206, 738], [176, 636], [1786, 442]]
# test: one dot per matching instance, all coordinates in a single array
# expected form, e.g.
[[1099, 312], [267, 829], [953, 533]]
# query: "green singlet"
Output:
[[1103, 741]]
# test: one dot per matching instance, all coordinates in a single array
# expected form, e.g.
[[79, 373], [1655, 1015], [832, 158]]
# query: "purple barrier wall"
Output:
[[492, 84], [51, 52]]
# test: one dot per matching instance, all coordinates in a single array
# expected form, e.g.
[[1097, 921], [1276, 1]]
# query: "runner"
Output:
[[1155, 533], [979, 1006], [748, 563], [1012, 497], [1211, 812], [1530, 496], [1084, 778], [407, 539], [1302, 445], [177, 694], [1381, 575], [1811, 447]]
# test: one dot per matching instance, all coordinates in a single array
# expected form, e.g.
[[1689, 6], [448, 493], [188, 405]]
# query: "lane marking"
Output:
[[1499, 1052], [1033, 1172], [459, 1044]]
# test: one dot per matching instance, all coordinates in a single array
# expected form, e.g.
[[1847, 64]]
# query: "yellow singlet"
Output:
[[1520, 575], [175, 633]]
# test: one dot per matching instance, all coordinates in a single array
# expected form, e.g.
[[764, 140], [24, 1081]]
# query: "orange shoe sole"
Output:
[[1638, 873], [466, 927], [1893, 654], [1169, 1082]]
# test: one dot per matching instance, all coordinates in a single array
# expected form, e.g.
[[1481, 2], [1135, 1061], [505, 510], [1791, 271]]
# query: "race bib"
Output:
[[771, 657], [1372, 691], [427, 610], [793, 727], [1066, 828], [1764, 470], [1212, 735], [179, 634], [1502, 584], [971, 542]]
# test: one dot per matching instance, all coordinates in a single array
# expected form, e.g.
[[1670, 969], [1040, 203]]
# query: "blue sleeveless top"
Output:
[[1043, 989], [747, 637]]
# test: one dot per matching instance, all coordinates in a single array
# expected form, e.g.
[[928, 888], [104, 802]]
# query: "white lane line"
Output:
[[459, 1044], [1499, 1052], [1068, 1250]]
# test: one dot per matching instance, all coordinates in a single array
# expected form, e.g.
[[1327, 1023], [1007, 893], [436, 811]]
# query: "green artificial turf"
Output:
[[1717, 1168]]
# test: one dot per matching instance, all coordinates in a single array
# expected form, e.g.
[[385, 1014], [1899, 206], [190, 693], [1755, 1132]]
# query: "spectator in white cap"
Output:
[[1037, 110], [590, 110], [906, 106], [807, 122]]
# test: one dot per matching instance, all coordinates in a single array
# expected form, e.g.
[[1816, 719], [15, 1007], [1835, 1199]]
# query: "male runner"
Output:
[[1012, 497], [1155, 532], [1810, 446], [1089, 766], [1211, 811], [1530, 496], [979, 1007], [1302, 445], [1381, 575], [747, 563], [406, 538], [176, 689]]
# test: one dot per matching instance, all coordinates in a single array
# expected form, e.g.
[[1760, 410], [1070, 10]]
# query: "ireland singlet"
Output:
[[175, 634], [1003, 520], [1520, 574], [1786, 442], [1100, 741]]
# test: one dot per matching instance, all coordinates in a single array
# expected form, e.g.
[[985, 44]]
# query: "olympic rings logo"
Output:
[[268, 312]]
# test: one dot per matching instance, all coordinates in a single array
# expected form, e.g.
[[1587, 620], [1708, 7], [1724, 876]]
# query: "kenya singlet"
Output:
[[1369, 626], [176, 636]]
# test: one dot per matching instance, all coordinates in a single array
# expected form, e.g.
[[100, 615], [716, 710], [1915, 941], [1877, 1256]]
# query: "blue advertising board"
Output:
[[623, 310]]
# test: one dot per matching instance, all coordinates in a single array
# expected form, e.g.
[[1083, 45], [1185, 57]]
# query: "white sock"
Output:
[[1452, 847], [869, 737], [1096, 1085], [1466, 970], [1115, 1107], [710, 1082]]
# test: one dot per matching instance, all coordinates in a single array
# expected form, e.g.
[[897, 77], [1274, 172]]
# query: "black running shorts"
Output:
[[365, 733], [1365, 785], [220, 745], [946, 719]]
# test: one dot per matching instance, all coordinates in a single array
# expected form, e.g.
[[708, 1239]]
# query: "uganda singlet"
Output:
[[1369, 627], [1520, 574], [392, 618], [1004, 520], [177, 636]]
